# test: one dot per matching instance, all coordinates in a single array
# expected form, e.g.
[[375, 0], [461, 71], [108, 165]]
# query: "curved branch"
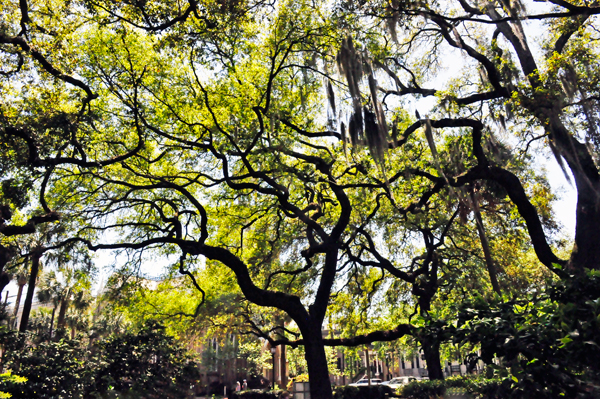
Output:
[[289, 303], [191, 276], [48, 67], [29, 227], [516, 193], [364, 339], [192, 8]]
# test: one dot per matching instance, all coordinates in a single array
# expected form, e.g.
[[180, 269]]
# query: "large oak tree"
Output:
[[273, 139]]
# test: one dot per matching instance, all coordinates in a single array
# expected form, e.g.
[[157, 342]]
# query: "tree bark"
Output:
[[368, 364], [431, 350], [282, 367], [21, 281], [64, 304], [586, 251], [485, 245], [318, 374], [431, 342], [4, 281], [35, 267], [52, 320], [5, 255]]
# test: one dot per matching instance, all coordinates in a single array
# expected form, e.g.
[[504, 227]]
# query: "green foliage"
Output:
[[148, 363], [175, 303], [257, 394], [475, 386], [15, 192], [9, 379], [196, 131], [424, 389], [53, 369], [548, 345], [489, 388], [255, 356], [367, 392]]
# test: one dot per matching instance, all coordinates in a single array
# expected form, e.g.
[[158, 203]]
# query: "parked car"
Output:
[[397, 382], [363, 382]]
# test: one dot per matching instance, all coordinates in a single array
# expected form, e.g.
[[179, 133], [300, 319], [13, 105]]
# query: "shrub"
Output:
[[476, 387], [366, 392], [52, 369], [256, 394], [9, 379], [424, 389], [148, 362], [486, 388], [548, 342]]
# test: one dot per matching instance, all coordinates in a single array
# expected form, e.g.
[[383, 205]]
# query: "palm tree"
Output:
[[50, 291], [21, 277], [77, 318], [69, 287], [75, 284], [36, 265]]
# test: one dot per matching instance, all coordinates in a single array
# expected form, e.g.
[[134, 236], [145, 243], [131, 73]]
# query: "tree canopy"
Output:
[[289, 142]]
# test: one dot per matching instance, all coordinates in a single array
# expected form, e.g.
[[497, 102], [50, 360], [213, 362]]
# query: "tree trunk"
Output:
[[368, 364], [64, 304], [318, 374], [4, 281], [485, 245], [35, 267], [22, 280], [586, 251], [6, 254], [431, 350], [430, 342], [282, 368], [52, 320], [60, 322]]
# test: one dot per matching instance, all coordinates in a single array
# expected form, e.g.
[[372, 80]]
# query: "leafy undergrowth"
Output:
[[257, 394], [473, 386], [366, 392]]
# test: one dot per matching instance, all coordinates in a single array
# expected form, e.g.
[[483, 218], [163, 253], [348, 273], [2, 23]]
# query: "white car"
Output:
[[397, 382], [365, 382]]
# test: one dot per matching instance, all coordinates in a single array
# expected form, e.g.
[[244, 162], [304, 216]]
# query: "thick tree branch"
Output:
[[29, 227], [191, 9], [363, 339], [34, 156], [48, 67], [288, 303], [528, 212]]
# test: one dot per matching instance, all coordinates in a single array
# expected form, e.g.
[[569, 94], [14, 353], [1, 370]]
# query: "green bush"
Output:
[[486, 388], [476, 387], [256, 394], [52, 369], [459, 382], [424, 389], [366, 392], [8, 379], [147, 364], [549, 343]]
